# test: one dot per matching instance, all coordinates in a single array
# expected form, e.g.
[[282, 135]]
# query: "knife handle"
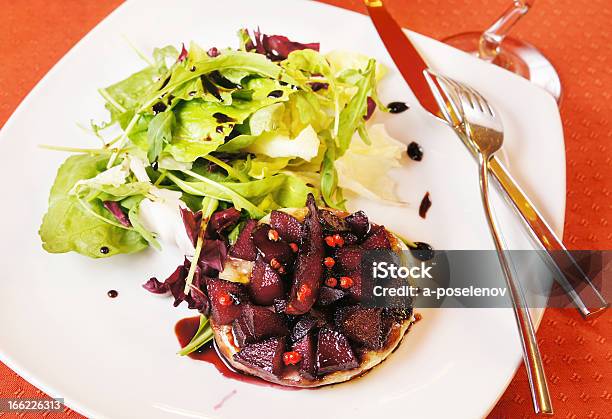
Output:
[[559, 259]]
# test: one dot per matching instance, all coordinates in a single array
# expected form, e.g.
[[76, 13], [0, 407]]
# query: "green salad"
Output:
[[258, 128]]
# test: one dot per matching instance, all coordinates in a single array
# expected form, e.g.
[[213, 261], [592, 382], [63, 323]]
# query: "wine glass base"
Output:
[[516, 56]]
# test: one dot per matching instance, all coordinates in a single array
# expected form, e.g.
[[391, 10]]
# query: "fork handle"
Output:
[[558, 255], [531, 352]]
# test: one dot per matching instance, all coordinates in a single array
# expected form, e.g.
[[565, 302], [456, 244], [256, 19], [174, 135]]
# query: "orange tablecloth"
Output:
[[574, 34]]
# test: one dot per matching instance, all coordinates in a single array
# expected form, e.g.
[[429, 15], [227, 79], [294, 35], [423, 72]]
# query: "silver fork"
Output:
[[484, 130]]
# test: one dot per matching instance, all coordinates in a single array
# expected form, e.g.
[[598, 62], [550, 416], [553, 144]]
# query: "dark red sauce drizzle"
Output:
[[425, 205], [185, 329]]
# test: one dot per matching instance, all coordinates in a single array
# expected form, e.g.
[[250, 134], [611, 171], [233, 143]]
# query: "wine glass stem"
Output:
[[491, 39]]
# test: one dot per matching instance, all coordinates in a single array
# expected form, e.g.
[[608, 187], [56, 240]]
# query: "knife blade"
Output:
[[405, 56]]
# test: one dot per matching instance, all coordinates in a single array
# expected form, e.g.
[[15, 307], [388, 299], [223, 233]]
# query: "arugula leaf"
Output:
[[221, 191], [67, 226], [287, 190], [329, 179], [159, 133], [253, 63], [352, 115], [203, 335], [233, 235]]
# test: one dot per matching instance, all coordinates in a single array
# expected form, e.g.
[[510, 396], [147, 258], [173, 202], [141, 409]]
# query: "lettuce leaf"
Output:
[[266, 119], [363, 169], [262, 167], [68, 226], [304, 146], [341, 61]]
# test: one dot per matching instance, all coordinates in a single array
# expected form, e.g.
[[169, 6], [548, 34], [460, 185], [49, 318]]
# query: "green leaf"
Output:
[[126, 95], [287, 190], [134, 216], [222, 191], [267, 119], [233, 235], [243, 39], [209, 206], [237, 143], [342, 62], [305, 145], [303, 109], [262, 167], [159, 133], [111, 192], [307, 60], [352, 115], [160, 55], [364, 168], [203, 335], [67, 226], [329, 179]]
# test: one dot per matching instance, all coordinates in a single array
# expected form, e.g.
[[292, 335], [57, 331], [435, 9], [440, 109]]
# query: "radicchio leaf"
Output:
[[175, 283], [197, 299], [316, 86], [182, 55], [155, 287], [213, 255], [278, 47], [192, 221], [371, 108], [213, 52], [115, 209]]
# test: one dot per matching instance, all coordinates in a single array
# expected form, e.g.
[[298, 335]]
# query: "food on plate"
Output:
[[303, 314]]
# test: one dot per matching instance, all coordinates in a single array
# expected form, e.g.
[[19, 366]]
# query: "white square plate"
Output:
[[117, 357]]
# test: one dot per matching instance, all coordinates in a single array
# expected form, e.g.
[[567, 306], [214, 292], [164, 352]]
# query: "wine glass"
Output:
[[521, 58]]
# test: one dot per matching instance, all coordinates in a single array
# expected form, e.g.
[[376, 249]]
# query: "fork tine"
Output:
[[435, 89], [463, 95], [484, 103], [451, 94], [450, 100]]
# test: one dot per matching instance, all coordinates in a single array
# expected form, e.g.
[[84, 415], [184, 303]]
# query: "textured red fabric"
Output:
[[574, 34]]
